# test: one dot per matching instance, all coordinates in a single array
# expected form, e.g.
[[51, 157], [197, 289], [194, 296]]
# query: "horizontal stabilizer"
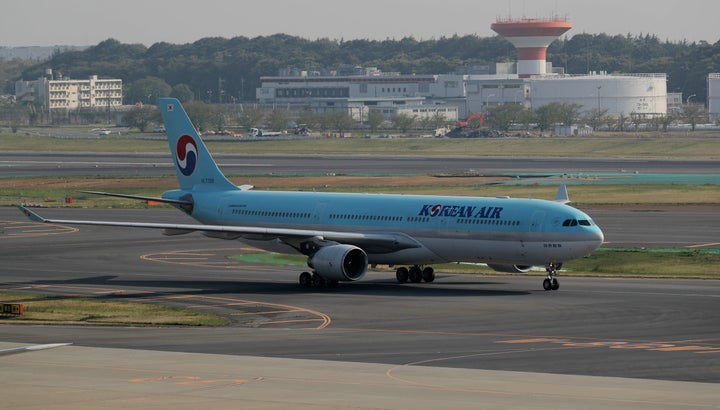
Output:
[[141, 198], [30, 214]]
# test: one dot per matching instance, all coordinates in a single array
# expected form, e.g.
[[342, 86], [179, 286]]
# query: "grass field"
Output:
[[90, 311], [629, 145], [51, 191]]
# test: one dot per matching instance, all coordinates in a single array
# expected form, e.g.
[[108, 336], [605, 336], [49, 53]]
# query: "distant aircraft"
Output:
[[342, 233]]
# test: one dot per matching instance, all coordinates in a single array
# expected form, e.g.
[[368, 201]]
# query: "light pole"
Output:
[[599, 87], [487, 101]]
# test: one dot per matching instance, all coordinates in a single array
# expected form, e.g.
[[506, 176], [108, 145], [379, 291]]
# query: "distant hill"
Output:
[[35, 52]]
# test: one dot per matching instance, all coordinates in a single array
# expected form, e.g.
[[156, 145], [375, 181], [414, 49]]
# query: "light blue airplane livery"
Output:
[[342, 233]]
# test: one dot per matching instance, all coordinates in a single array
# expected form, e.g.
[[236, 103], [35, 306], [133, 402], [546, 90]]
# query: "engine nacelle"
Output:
[[510, 268], [340, 262]]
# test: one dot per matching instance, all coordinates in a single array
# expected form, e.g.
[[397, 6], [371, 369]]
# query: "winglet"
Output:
[[562, 195], [30, 214]]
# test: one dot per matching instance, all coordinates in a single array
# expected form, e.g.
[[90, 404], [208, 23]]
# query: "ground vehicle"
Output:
[[475, 120], [472, 128], [262, 132]]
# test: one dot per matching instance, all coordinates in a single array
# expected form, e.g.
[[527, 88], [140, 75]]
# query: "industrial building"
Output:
[[531, 82], [387, 93], [57, 93], [457, 96]]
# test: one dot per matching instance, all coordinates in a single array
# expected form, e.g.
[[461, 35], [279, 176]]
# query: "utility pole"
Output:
[[221, 89]]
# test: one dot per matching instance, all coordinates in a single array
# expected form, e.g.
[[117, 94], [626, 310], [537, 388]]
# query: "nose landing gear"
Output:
[[551, 282]]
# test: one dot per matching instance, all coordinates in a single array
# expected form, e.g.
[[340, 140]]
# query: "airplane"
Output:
[[342, 233]]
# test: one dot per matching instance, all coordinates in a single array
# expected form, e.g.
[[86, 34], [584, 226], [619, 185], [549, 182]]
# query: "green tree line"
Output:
[[220, 69]]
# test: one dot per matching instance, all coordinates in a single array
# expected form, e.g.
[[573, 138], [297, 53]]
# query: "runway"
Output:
[[463, 340], [100, 164]]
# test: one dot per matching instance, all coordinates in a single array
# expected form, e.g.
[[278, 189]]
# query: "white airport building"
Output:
[[386, 93], [457, 96], [93, 94]]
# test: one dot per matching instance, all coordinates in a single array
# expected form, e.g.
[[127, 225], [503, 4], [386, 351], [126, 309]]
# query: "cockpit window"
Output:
[[576, 222]]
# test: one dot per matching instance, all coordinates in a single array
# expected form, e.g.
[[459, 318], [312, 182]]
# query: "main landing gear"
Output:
[[308, 280], [551, 283], [415, 274]]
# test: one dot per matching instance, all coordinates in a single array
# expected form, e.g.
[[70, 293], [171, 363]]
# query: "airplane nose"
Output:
[[599, 238]]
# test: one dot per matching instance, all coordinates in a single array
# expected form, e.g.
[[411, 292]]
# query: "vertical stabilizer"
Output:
[[194, 166]]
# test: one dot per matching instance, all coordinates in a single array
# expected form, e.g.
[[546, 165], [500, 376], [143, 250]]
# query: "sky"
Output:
[[88, 22]]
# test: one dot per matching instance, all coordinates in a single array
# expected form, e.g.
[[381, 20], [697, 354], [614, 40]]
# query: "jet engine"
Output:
[[510, 268], [340, 262]]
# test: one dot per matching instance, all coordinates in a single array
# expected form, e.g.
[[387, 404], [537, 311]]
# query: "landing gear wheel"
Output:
[[428, 274], [318, 281], [401, 274], [551, 283], [415, 274], [305, 280], [547, 284]]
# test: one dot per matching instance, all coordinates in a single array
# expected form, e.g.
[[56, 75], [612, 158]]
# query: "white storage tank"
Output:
[[644, 94]]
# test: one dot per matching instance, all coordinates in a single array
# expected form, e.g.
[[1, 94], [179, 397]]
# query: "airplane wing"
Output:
[[33, 348], [376, 242]]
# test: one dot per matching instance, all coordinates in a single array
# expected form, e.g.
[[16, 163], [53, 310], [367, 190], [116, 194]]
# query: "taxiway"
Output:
[[500, 340]]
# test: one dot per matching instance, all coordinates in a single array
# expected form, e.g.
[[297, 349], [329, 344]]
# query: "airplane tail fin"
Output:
[[195, 168]]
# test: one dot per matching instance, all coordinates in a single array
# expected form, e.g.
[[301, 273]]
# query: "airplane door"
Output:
[[220, 207], [319, 212], [536, 221]]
